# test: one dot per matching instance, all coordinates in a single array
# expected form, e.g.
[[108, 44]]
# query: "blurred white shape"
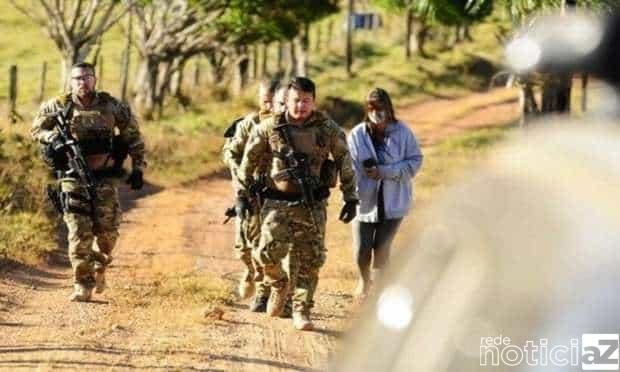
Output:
[[566, 38], [522, 53], [395, 307], [585, 33], [556, 40], [604, 101]]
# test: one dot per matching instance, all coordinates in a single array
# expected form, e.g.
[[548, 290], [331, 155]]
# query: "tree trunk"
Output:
[[264, 56], [240, 73], [145, 87], [291, 68], [458, 37], [330, 33], [528, 103], [164, 76], [556, 94], [255, 62], [280, 56], [349, 44], [304, 49], [176, 82], [126, 60], [467, 33], [462, 32], [217, 70], [317, 44], [584, 92], [421, 37], [408, 33]]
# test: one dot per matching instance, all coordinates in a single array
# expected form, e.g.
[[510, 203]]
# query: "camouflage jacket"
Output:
[[117, 116], [265, 141], [232, 151]]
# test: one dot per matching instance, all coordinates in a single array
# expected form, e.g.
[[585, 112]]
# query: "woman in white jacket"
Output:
[[386, 156]]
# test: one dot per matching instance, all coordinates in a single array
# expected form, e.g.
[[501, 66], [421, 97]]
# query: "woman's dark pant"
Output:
[[373, 239]]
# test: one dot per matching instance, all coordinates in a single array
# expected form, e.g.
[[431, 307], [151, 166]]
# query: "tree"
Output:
[[75, 26], [413, 16], [169, 32], [249, 22], [424, 13]]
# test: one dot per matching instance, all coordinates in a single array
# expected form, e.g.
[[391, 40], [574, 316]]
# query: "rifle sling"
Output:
[[319, 194]]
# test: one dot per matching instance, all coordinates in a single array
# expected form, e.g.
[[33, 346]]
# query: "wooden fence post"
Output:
[[349, 44], [126, 60], [100, 73], [264, 71], [13, 94], [197, 68], [43, 81], [584, 92]]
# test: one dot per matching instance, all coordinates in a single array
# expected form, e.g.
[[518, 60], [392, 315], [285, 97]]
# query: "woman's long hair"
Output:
[[380, 95]]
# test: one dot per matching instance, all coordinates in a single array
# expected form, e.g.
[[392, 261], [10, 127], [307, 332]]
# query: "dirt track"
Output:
[[175, 232]]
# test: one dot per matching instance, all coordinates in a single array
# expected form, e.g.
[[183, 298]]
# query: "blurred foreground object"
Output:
[[517, 266], [550, 51], [568, 44], [527, 248]]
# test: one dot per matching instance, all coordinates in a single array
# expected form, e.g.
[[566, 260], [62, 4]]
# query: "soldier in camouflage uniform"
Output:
[[291, 226], [247, 230], [93, 119]]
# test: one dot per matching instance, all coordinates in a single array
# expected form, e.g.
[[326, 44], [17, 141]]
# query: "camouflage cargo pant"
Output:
[[247, 234], [288, 229], [91, 242]]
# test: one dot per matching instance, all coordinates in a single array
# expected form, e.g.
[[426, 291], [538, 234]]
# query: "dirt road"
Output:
[[172, 252]]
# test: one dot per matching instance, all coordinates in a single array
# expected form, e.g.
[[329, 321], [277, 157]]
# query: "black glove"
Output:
[[58, 144], [243, 207], [135, 179], [54, 154], [348, 212]]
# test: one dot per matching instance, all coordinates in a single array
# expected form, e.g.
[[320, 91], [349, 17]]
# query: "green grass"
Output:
[[452, 157], [187, 289], [26, 236]]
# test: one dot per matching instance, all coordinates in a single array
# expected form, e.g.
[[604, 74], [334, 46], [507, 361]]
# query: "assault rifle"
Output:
[[76, 163], [298, 171]]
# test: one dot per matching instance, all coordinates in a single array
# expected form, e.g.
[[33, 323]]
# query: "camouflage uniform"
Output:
[[288, 226], [247, 231], [91, 240]]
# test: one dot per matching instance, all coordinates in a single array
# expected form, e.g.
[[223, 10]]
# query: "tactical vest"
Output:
[[93, 128], [94, 131], [311, 140]]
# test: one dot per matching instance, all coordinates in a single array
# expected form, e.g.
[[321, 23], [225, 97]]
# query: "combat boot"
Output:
[[100, 283], [277, 300], [260, 304], [302, 322], [81, 293], [287, 312]]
